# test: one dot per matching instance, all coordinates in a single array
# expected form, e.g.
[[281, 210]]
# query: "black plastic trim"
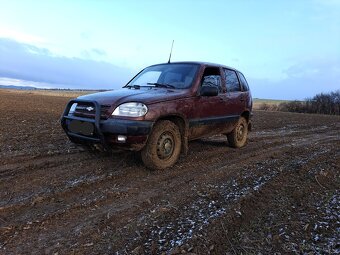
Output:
[[126, 127], [213, 120]]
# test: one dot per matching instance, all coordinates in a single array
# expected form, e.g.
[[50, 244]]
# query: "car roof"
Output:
[[198, 63]]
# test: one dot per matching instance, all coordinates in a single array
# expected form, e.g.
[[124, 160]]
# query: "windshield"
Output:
[[178, 76]]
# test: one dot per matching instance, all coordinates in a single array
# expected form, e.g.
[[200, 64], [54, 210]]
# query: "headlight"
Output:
[[132, 109], [73, 108]]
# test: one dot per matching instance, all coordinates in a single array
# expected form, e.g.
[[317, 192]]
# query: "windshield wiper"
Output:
[[161, 85], [133, 86]]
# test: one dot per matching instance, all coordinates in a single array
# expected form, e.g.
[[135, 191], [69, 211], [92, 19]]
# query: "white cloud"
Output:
[[6, 32], [22, 61], [17, 82], [304, 80]]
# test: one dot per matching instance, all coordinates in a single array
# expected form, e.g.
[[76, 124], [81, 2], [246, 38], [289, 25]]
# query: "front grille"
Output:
[[88, 110]]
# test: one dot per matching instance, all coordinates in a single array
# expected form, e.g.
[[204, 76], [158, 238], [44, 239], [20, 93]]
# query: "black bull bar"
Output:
[[98, 136]]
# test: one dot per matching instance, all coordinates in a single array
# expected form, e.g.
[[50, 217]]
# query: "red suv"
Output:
[[162, 108]]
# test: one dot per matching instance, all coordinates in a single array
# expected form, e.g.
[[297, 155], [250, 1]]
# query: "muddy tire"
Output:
[[163, 147], [238, 137]]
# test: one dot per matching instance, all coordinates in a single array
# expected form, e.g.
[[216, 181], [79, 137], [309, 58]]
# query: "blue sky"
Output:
[[286, 49]]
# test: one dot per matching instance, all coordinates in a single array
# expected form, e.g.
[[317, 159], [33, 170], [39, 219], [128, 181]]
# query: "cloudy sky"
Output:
[[286, 49]]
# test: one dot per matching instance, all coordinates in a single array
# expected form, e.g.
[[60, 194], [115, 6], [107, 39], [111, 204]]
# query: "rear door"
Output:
[[234, 102], [245, 92]]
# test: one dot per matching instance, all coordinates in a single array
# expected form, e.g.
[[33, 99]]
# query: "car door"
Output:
[[245, 92], [209, 111], [234, 100]]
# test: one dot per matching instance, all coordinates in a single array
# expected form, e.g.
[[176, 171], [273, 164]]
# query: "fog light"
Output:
[[121, 138]]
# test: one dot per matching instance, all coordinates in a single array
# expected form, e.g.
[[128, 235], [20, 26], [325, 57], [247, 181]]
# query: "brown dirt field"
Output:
[[277, 195]]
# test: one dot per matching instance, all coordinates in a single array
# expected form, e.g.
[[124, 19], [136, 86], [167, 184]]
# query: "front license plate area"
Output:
[[81, 127]]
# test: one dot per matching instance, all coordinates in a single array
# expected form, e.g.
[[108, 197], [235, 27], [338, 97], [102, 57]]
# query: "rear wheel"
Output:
[[238, 137], [163, 147]]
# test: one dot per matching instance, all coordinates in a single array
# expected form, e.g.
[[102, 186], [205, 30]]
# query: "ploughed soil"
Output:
[[277, 195]]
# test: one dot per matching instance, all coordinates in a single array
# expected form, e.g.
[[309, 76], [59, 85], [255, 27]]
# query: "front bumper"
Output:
[[105, 132]]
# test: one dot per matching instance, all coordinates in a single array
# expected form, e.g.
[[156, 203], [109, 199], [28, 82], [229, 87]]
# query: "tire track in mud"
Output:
[[194, 217], [21, 164], [288, 192], [46, 187], [154, 180], [94, 159]]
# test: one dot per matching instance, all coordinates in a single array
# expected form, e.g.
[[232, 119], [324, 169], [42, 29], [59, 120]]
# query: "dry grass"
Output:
[[43, 92], [258, 102]]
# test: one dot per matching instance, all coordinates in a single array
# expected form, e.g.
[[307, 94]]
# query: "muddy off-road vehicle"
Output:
[[162, 108]]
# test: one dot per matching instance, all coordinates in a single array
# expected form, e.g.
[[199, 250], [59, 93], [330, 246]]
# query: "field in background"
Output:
[[278, 194], [258, 102], [49, 92]]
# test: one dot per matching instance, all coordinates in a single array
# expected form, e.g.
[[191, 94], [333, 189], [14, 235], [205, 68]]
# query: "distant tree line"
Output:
[[324, 103]]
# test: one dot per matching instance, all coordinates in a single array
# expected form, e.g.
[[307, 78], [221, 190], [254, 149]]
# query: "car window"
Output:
[[171, 77], [179, 76], [231, 81], [212, 80], [151, 76], [212, 77], [243, 82]]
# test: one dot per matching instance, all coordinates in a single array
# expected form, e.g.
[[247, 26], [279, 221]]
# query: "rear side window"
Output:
[[243, 82], [231, 81]]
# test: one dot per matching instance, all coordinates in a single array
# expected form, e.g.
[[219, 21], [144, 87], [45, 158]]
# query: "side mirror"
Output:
[[209, 91]]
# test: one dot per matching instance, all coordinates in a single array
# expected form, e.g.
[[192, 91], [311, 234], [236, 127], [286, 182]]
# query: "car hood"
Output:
[[143, 95]]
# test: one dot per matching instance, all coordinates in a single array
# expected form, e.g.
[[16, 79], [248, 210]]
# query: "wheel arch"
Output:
[[247, 115], [183, 126]]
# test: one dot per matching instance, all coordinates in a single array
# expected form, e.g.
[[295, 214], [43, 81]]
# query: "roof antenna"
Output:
[[171, 51]]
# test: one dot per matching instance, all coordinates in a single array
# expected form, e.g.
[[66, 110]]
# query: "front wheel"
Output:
[[163, 147], [238, 137]]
